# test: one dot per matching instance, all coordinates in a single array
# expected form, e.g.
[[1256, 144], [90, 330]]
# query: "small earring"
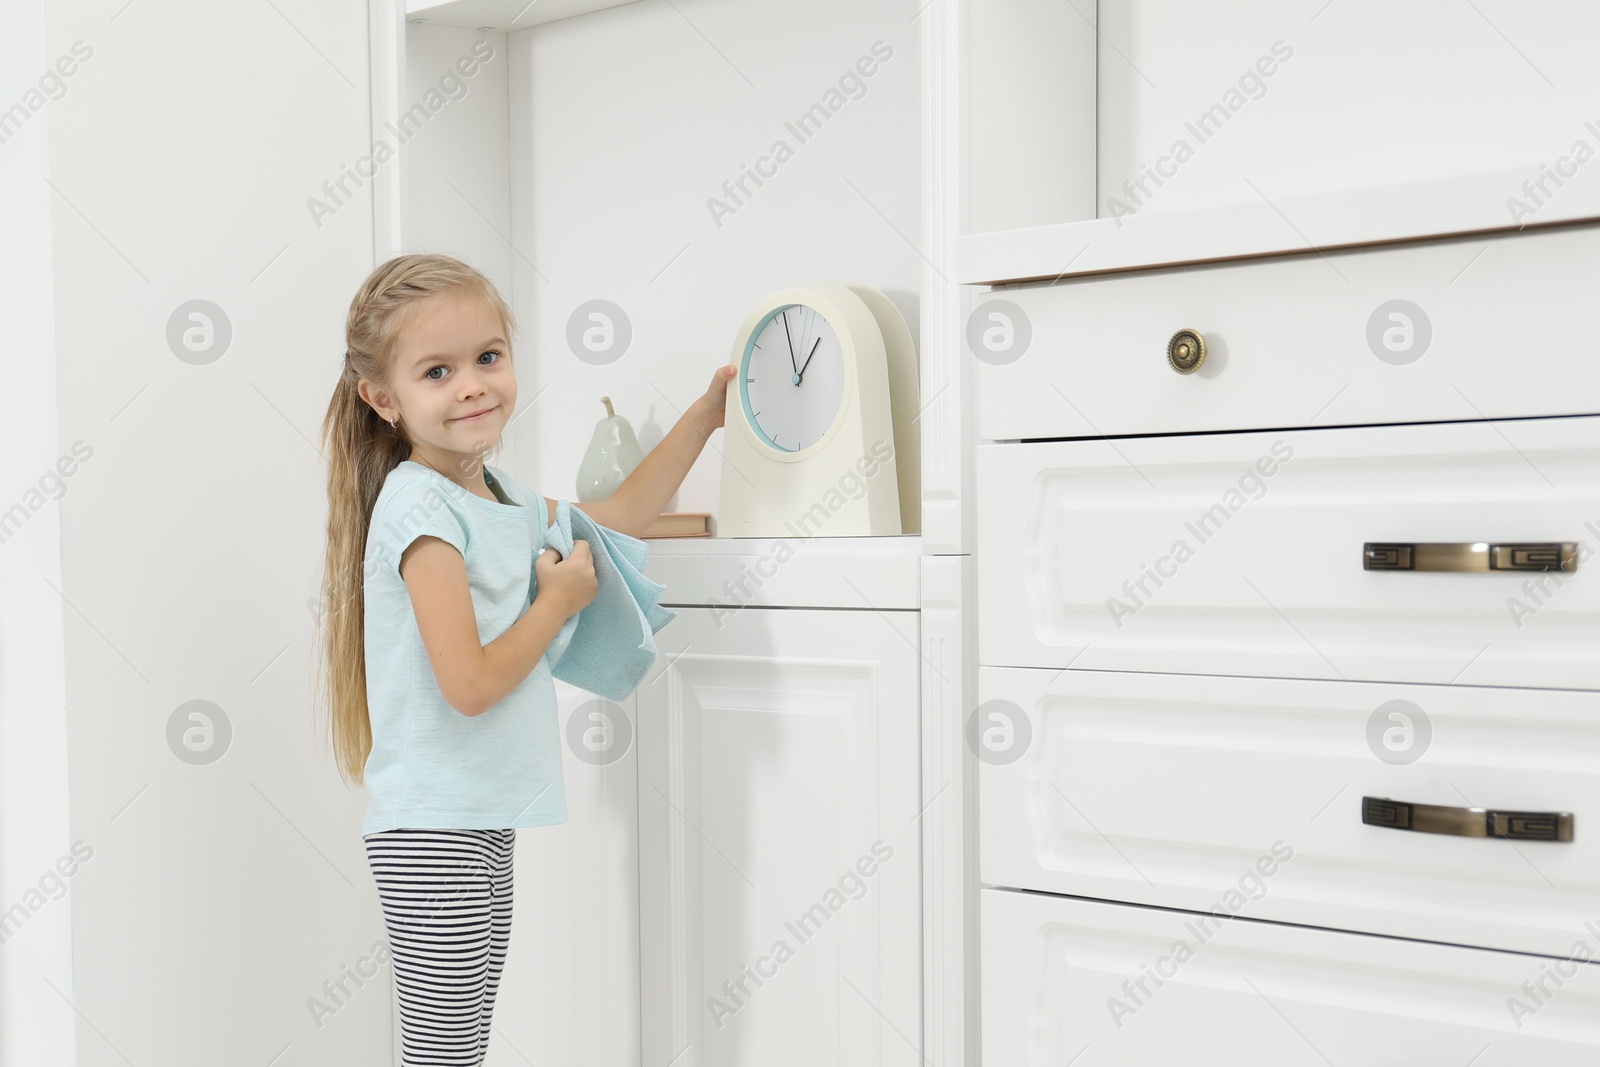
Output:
[[393, 423]]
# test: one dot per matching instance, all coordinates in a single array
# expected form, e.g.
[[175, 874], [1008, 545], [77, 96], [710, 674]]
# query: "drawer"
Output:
[[1243, 554], [1166, 790], [1093, 984], [1499, 333]]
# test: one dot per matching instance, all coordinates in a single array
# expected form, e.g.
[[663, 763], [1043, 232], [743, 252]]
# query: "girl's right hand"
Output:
[[570, 581]]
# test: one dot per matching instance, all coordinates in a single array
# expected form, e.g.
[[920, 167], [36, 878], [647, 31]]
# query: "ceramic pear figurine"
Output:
[[612, 456]]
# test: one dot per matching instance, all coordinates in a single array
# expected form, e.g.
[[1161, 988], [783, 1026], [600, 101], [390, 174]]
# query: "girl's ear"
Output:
[[377, 399]]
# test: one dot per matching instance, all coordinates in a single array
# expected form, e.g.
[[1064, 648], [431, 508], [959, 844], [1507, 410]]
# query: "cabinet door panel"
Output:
[[779, 843], [1243, 554], [1166, 789], [1093, 984], [1426, 332]]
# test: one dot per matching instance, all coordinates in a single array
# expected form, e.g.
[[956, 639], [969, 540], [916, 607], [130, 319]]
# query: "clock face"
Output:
[[792, 377]]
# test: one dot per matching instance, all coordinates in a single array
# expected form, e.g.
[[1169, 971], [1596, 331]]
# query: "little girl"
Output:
[[439, 697]]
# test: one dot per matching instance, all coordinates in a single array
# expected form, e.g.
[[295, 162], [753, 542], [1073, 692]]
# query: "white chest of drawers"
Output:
[[1224, 695]]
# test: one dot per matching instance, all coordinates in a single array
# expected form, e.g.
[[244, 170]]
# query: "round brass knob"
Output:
[[1186, 351]]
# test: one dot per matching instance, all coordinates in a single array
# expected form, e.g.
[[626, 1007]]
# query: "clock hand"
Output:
[[791, 340], [807, 363]]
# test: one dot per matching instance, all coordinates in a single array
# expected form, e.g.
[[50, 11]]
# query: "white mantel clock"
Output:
[[820, 440]]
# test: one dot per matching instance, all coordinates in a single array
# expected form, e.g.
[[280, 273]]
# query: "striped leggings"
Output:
[[446, 897]]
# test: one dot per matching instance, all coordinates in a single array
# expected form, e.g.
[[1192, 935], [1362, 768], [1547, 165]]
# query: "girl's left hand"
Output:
[[715, 400]]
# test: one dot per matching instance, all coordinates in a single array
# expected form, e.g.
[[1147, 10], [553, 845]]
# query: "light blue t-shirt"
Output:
[[430, 765]]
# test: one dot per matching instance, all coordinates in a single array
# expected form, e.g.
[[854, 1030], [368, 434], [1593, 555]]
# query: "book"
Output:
[[680, 524]]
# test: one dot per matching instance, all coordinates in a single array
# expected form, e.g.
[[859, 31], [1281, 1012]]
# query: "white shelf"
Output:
[[1463, 204], [503, 15], [904, 545], [876, 573]]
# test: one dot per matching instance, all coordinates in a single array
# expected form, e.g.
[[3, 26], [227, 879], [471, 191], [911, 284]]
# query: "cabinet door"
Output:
[[778, 840]]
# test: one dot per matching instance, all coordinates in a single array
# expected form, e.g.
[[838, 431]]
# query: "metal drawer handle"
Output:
[[1469, 556], [1467, 822], [1186, 351]]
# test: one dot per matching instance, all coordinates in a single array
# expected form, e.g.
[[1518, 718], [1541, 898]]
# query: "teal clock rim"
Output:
[[744, 367]]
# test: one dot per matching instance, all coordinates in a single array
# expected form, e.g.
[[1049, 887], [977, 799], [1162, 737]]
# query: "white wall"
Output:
[[633, 118], [1301, 100], [36, 1021], [220, 897], [455, 167]]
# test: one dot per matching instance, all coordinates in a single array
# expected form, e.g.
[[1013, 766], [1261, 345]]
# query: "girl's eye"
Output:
[[495, 352]]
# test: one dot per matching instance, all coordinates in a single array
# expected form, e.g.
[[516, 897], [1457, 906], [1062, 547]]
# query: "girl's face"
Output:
[[453, 386]]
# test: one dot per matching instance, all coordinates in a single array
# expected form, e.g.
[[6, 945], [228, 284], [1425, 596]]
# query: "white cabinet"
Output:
[[779, 857], [1289, 685]]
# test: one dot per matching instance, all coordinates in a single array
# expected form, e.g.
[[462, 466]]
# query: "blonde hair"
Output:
[[361, 449]]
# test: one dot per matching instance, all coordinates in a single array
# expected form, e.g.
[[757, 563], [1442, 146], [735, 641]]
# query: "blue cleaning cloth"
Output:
[[609, 646]]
